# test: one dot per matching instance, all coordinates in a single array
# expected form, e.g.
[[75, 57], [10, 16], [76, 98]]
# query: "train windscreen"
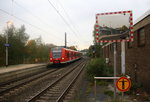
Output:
[[56, 53]]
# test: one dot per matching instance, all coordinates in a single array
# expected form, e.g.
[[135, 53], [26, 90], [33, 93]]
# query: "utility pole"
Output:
[[115, 64], [123, 70], [123, 58], [65, 40], [7, 47], [9, 23]]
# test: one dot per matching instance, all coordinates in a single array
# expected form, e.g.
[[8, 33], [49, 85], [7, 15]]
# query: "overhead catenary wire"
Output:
[[26, 22], [65, 21], [68, 16], [35, 16], [38, 17], [31, 13], [70, 20]]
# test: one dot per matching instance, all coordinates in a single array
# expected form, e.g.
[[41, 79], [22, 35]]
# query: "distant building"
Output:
[[112, 31]]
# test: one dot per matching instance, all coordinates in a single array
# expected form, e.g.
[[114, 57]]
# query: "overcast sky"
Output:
[[75, 17]]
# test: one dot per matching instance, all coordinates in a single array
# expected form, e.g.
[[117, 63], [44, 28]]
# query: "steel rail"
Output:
[[29, 68], [23, 77], [51, 85], [62, 96], [23, 83]]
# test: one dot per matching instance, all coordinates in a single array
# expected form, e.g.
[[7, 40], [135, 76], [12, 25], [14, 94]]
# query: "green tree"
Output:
[[95, 51], [21, 49], [72, 48], [31, 50], [17, 40], [123, 28], [2, 50]]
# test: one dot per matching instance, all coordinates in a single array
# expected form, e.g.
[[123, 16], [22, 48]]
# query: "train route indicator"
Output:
[[123, 84]]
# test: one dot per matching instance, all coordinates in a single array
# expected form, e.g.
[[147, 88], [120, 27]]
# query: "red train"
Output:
[[60, 55]]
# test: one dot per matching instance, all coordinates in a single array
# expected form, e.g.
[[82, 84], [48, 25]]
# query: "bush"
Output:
[[97, 67], [102, 82]]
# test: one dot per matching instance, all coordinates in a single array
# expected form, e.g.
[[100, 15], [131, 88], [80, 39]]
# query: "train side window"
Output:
[[141, 37], [67, 54]]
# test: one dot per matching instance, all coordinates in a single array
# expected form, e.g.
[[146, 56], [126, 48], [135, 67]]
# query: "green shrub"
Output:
[[102, 82], [98, 68]]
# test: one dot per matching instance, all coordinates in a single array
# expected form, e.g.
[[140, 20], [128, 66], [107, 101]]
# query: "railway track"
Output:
[[17, 83], [56, 91], [7, 91]]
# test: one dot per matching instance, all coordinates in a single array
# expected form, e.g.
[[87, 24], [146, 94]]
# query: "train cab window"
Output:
[[56, 53], [141, 37]]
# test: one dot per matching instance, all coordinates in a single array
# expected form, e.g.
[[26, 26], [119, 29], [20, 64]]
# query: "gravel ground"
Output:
[[87, 93]]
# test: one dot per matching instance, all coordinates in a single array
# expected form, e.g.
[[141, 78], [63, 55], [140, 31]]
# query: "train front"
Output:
[[55, 55]]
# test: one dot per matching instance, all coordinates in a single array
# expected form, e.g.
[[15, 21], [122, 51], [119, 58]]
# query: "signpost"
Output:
[[113, 27], [123, 84], [9, 23]]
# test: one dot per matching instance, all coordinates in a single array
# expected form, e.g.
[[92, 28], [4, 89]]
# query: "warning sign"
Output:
[[123, 84]]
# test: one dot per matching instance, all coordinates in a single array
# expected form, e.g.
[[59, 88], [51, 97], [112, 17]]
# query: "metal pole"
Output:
[[122, 98], [7, 47], [115, 71], [65, 40], [106, 78], [95, 90], [123, 57], [123, 62]]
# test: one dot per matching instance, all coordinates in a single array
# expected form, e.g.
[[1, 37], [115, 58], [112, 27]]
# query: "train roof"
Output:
[[71, 50], [60, 47]]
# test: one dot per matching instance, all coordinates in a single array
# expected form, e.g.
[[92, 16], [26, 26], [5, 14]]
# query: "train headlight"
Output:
[[62, 58], [50, 58]]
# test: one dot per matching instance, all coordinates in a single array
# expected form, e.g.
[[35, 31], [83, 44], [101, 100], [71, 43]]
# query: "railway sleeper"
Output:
[[52, 92], [44, 97], [40, 100]]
